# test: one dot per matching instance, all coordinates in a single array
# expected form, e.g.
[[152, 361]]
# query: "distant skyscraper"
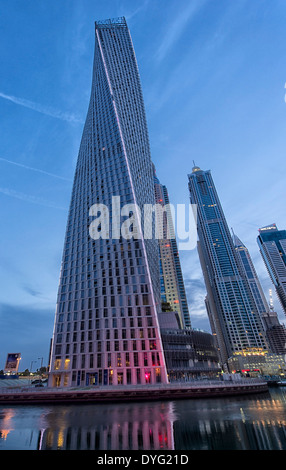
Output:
[[106, 326], [251, 275], [272, 245], [234, 317], [275, 331], [172, 282]]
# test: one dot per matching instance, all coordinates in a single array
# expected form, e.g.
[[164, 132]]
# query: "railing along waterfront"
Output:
[[176, 385]]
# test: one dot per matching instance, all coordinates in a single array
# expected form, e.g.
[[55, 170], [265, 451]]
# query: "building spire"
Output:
[[195, 168], [236, 241]]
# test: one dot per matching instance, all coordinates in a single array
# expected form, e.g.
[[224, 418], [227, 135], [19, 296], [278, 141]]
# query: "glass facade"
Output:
[[106, 326], [251, 275], [234, 318], [171, 278], [275, 333], [272, 245]]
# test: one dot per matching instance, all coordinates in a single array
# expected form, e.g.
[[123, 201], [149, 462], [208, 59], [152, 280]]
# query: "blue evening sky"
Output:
[[213, 74]]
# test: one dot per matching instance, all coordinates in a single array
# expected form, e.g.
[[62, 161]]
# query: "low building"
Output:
[[189, 353], [257, 362]]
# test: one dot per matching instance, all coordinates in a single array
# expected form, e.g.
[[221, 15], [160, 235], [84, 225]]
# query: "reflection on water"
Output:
[[234, 424], [253, 422], [122, 426]]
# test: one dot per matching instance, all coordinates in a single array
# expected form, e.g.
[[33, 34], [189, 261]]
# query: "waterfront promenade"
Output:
[[98, 394]]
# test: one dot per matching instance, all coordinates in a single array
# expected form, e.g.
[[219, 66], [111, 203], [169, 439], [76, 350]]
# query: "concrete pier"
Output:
[[172, 391]]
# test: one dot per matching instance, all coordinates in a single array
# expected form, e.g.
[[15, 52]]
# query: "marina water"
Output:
[[251, 422]]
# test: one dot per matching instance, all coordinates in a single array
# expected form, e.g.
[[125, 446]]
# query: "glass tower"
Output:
[[251, 275], [171, 277], [272, 245], [106, 329], [234, 318]]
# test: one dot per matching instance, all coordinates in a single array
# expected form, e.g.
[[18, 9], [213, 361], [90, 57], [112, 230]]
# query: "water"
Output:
[[253, 422]]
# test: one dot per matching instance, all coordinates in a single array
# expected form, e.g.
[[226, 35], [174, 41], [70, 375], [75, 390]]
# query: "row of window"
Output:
[[110, 360], [123, 333], [106, 346], [111, 377]]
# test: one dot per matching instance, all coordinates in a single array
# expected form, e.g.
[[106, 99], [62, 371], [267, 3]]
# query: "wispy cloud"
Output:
[[42, 109], [29, 198], [177, 27], [34, 169], [31, 291], [137, 10]]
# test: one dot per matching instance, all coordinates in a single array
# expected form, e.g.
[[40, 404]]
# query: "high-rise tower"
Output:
[[106, 326], [275, 333], [272, 245], [233, 314], [251, 275], [171, 277]]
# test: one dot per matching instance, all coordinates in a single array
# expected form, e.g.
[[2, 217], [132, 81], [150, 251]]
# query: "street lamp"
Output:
[[32, 362]]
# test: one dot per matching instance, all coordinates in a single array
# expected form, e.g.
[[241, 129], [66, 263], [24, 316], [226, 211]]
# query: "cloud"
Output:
[[42, 109], [32, 292], [30, 198], [27, 330], [177, 27], [196, 292]]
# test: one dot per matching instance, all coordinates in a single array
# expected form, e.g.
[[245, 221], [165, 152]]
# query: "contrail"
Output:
[[35, 169], [29, 198], [42, 109], [178, 26]]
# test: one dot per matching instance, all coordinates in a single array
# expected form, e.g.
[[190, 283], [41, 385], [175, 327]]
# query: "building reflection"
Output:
[[135, 427], [257, 424], [6, 423], [247, 423]]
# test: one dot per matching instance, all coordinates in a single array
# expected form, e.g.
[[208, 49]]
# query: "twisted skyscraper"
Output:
[[106, 326]]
